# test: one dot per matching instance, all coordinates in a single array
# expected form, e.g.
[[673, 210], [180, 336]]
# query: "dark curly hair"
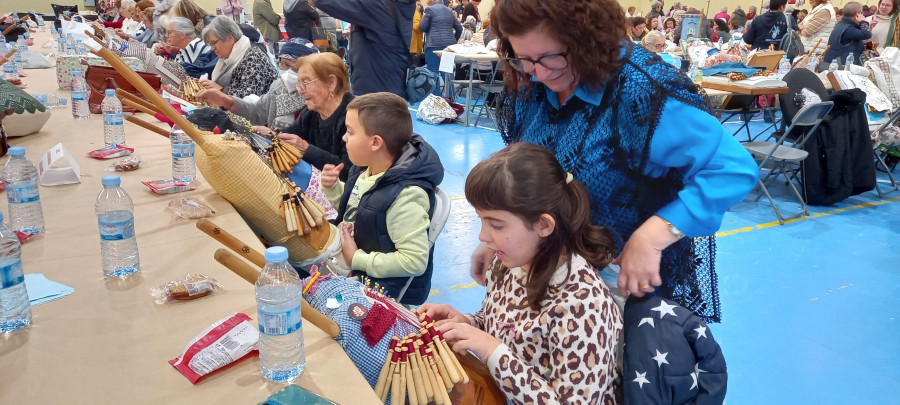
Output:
[[591, 30]]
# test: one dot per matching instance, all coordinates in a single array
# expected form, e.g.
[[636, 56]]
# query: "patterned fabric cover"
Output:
[[65, 65]]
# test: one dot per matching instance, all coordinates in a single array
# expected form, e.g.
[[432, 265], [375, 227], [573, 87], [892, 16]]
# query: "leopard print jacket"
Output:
[[562, 354]]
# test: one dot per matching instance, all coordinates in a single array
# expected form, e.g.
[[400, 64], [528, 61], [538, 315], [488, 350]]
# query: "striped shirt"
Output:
[[192, 52]]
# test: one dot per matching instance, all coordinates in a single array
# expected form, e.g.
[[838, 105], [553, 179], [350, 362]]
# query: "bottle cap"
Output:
[[111, 180], [76, 73], [276, 254], [17, 151], [110, 92], [21, 37], [63, 101]]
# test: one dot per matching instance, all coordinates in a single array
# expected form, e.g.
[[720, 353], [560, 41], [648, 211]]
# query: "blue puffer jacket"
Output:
[[440, 27], [378, 56]]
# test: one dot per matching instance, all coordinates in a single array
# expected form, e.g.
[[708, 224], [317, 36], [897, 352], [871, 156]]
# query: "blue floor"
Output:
[[810, 314]]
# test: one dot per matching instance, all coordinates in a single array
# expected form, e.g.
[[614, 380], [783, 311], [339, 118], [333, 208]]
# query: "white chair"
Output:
[[438, 220], [785, 156]]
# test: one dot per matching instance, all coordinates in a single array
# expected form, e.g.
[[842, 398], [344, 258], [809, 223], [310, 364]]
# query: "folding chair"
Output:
[[438, 220], [807, 120], [491, 87]]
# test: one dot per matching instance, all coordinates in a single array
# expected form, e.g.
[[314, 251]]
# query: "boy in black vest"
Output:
[[385, 207]]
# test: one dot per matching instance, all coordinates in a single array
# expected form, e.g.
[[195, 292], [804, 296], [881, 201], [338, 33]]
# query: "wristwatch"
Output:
[[675, 231]]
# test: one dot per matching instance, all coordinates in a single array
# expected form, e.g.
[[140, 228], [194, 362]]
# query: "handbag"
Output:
[[320, 36], [100, 78]]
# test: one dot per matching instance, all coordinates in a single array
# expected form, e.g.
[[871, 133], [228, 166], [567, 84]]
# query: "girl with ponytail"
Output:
[[548, 326]]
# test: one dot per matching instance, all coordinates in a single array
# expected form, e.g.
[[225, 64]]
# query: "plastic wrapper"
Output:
[[222, 343], [193, 286], [127, 164], [167, 186], [434, 110], [111, 151], [190, 208]]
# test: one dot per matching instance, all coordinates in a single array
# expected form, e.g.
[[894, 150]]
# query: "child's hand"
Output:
[[330, 175], [468, 337], [481, 262], [442, 313], [348, 245]]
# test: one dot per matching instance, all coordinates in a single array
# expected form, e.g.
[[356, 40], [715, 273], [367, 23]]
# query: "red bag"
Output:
[[457, 107], [100, 78]]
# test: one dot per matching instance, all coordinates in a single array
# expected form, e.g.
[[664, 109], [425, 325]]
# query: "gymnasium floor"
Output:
[[809, 307]]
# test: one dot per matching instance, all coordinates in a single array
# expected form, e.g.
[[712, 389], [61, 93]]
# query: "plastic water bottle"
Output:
[[70, 45], [61, 45], [849, 61], [22, 46], [80, 107], [80, 47], [183, 166], [51, 101], [21, 178], [54, 35], [783, 67], [833, 67], [697, 74], [113, 128], [3, 44], [282, 355], [40, 20], [115, 216], [15, 308], [813, 62], [10, 71]]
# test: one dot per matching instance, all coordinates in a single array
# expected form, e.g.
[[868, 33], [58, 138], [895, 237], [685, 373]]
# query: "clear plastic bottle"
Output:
[[833, 66], [697, 74], [54, 35], [848, 61], [40, 20], [813, 63], [15, 308], [80, 107], [10, 71], [51, 101], [80, 48], [282, 355], [21, 178], [113, 127], [19, 57], [70, 45], [783, 67], [115, 217], [61, 40], [183, 166]]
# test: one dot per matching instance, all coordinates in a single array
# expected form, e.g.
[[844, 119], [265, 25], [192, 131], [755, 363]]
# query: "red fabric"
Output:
[[165, 119], [114, 24], [377, 323]]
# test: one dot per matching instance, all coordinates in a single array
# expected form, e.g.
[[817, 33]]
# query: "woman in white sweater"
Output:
[[880, 23], [818, 24]]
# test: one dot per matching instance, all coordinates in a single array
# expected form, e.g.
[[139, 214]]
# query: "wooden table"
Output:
[[472, 59], [108, 342]]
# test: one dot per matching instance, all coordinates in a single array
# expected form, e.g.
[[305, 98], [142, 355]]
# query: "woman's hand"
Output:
[[468, 337], [640, 258], [215, 96], [442, 313], [329, 176], [348, 245], [209, 84], [121, 33], [295, 140], [481, 262], [259, 129]]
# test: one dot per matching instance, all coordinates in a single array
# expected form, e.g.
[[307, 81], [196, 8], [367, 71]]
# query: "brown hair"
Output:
[[591, 30], [386, 115], [526, 180], [893, 6], [190, 10], [326, 64]]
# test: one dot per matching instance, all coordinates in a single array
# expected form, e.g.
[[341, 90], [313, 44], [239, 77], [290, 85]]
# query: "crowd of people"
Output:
[[614, 171]]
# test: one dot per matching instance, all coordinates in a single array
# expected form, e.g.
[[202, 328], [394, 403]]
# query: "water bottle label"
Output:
[[112, 119], [117, 230], [11, 275], [9, 68], [79, 95], [280, 323], [183, 150], [22, 193]]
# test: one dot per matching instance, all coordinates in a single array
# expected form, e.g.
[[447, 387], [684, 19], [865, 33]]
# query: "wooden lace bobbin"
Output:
[[286, 213], [416, 373], [303, 228], [388, 383], [305, 211], [442, 363], [386, 368], [427, 378], [317, 216], [441, 388], [431, 372], [457, 373], [404, 370], [464, 377]]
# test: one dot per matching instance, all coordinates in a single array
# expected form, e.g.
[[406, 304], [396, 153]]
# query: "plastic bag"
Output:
[[435, 110], [217, 346], [193, 286], [167, 186], [110, 152], [190, 208], [125, 165]]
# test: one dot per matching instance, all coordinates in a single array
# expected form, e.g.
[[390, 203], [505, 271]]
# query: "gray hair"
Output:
[[724, 9], [655, 5], [222, 27], [652, 36], [851, 9], [184, 26], [752, 8]]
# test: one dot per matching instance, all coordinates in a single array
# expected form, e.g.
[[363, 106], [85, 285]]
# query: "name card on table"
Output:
[[55, 176], [448, 62]]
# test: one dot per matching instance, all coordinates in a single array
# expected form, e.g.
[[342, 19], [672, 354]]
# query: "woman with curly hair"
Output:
[[656, 164]]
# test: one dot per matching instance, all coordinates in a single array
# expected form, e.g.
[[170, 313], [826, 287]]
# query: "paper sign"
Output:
[[447, 62], [690, 27], [55, 176]]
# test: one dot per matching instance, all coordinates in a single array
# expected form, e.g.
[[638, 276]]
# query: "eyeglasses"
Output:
[[656, 47], [284, 65], [554, 61], [213, 43], [302, 85]]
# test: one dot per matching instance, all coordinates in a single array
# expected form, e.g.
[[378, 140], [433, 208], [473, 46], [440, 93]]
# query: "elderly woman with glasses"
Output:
[[181, 37], [242, 69], [659, 168], [655, 41], [324, 82]]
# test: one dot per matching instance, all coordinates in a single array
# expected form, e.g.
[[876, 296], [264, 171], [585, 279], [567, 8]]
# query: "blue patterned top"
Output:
[[645, 145]]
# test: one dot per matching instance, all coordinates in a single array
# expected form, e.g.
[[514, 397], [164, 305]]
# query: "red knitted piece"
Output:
[[377, 323]]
